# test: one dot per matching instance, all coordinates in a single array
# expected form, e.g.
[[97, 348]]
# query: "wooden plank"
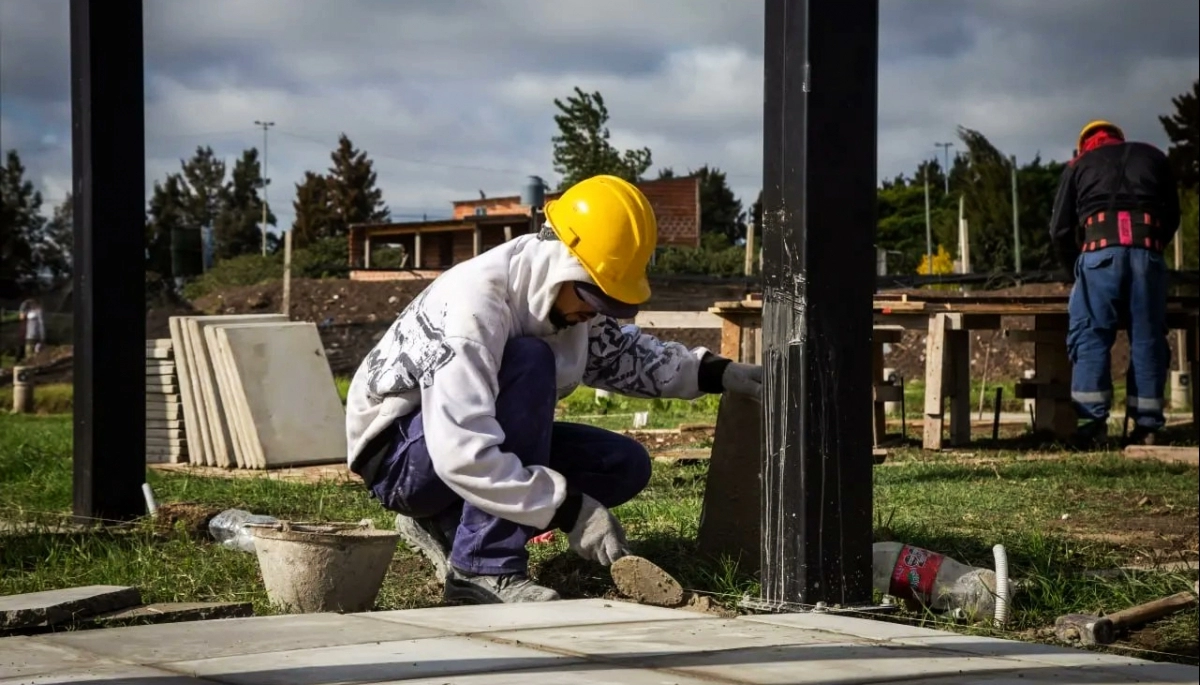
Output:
[[1053, 367], [677, 320], [958, 344], [731, 340], [935, 358]]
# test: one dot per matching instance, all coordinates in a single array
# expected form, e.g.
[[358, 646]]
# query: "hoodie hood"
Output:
[[538, 268]]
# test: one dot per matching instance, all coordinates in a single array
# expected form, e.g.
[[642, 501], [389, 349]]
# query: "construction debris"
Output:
[[644, 582]]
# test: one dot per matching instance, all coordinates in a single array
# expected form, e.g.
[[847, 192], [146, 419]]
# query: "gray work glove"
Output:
[[745, 379], [597, 534]]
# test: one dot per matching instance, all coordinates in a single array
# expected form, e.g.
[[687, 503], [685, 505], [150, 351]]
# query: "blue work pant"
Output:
[[1113, 285], [609, 467]]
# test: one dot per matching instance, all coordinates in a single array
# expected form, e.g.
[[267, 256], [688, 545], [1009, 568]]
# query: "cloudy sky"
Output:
[[451, 97]]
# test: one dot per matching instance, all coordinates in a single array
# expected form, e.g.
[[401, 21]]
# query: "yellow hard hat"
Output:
[[1093, 126], [609, 225]]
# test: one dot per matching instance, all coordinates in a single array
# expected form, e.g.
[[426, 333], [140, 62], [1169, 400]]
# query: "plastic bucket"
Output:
[[311, 568]]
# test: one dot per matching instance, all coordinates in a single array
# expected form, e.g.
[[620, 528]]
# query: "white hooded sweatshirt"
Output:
[[442, 355]]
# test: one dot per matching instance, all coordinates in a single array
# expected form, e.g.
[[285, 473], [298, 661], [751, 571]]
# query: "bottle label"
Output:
[[913, 576]]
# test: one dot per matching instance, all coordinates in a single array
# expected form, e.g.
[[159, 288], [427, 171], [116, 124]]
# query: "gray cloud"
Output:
[[453, 96]]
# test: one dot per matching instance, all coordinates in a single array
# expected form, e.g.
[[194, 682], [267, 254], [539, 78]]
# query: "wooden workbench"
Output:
[[948, 321]]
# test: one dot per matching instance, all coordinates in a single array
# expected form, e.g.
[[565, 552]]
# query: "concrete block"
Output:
[[164, 433], [160, 369], [234, 637], [444, 657], [284, 380], [235, 408], [488, 618], [158, 353], [52, 607], [174, 613], [164, 424]]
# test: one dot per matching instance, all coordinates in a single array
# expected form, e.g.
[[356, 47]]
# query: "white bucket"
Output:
[[310, 568]]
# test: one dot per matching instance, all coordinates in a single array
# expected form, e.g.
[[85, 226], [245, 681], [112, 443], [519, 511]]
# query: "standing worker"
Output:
[[450, 418], [1117, 209]]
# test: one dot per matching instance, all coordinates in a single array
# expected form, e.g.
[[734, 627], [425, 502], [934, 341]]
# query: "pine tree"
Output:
[[54, 250], [313, 210], [21, 226], [168, 213], [720, 212], [1183, 128], [582, 148], [204, 187], [352, 194], [238, 228]]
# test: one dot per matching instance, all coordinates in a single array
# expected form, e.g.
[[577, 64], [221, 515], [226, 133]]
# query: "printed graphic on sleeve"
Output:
[[624, 360], [410, 354]]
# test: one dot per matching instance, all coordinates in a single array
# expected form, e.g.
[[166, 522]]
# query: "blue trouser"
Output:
[[609, 467], [1117, 284]]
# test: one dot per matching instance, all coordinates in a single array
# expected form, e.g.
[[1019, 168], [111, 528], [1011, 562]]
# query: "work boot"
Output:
[[469, 588], [1090, 435], [1142, 436], [423, 535]]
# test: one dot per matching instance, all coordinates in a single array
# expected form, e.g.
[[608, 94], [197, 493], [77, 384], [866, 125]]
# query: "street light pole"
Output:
[[265, 125]]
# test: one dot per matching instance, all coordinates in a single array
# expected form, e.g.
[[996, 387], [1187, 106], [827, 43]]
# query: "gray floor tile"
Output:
[[496, 617], [27, 656], [209, 639], [443, 657]]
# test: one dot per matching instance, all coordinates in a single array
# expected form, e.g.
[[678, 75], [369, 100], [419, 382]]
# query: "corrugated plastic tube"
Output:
[[1002, 585]]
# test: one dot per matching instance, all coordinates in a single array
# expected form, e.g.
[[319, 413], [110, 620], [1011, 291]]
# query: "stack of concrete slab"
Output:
[[165, 439], [257, 392]]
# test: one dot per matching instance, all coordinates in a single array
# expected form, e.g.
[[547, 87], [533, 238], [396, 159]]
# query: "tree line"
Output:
[[206, 193]]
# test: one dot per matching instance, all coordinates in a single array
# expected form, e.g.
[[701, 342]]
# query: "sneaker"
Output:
[[423, 535], [468, 588]]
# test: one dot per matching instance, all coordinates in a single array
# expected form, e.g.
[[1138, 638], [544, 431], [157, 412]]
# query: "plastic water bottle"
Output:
[[935, 581], [230, 528]]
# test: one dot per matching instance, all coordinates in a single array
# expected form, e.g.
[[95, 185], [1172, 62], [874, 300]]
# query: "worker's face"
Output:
[[569, 310]]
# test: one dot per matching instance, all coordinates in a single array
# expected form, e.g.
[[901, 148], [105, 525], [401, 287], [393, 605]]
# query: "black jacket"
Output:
[[1095, 178]]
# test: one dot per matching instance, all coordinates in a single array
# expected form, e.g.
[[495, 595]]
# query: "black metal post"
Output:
[[108, 151], [819, 195]]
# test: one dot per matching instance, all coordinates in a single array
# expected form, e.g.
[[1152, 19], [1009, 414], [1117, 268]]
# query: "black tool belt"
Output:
[[1124, 228]]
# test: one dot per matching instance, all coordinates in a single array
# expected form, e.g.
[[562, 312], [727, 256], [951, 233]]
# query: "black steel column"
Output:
[[819, 195], [108, 151]]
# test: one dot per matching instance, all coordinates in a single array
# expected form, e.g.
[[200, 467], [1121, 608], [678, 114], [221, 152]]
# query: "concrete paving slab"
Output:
[[117, 674], [24, 658], [760, 653], [506, 617], [55, 606], [443, 657], [230, 395], [575, 674], [867, 629], [234, 637], [296, 413], [186, 374]]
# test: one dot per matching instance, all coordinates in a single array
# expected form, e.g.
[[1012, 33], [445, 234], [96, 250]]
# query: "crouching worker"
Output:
[[450, 418]]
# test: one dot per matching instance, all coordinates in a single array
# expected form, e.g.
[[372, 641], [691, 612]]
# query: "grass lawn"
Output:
[[1056, 517]]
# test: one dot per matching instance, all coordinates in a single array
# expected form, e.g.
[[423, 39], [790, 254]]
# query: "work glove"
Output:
[[743, 378], [597, 535]]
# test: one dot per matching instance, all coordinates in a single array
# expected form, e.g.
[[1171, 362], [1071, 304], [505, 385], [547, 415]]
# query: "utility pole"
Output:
[[928, 225], [1016, 217], [265, 125], [749, 269], [946, 154]]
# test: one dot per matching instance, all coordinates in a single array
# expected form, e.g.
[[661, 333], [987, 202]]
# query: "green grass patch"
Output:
[[1116, 511], [54, 398]]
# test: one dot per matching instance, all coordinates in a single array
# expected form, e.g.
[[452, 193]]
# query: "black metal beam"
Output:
[[819, 186], [108, 150]]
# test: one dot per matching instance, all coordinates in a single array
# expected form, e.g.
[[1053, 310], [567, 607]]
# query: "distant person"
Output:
[[450, 418], [35, 328], [1117, 209]]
